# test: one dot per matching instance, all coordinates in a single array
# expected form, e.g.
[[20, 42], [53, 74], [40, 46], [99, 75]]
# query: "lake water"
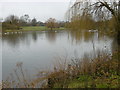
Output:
[[39, 50]]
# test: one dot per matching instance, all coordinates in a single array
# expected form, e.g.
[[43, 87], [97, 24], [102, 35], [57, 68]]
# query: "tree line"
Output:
[[14, 22]]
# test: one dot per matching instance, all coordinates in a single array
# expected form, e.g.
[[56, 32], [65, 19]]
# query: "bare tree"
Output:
[[12, 19], [51, 23], [24, 20], [34, 22], [11, 22]]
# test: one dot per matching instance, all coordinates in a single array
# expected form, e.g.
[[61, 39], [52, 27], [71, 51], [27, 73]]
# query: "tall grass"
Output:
[[88, 73]]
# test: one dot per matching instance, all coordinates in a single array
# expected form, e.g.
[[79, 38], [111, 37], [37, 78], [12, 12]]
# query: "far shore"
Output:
[[34, 28]]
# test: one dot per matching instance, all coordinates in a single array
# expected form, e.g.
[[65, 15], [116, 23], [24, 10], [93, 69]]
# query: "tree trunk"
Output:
[[51, 28], [118, 29]]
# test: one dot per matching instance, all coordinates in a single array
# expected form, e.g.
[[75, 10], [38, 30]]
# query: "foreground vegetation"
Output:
[[101, 72]]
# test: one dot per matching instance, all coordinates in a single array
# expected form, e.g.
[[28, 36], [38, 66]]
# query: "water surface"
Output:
[[38, 50]]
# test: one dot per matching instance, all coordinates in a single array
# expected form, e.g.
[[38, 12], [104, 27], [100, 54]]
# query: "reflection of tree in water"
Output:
[[76, 36], [88, 36], [34, 36], [95, 54], [15, 39], [106, 36], [79, 36], [51, 36], [114, 45], [102, 34]]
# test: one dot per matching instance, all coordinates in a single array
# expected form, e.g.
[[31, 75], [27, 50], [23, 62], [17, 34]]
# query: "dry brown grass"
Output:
[[104, 66]]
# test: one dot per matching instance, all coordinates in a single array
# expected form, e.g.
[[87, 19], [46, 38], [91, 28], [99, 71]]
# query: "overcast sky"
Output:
[[40, 9]]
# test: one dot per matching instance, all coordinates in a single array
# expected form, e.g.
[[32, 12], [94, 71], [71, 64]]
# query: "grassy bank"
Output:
[[34, 28], [102, 72]]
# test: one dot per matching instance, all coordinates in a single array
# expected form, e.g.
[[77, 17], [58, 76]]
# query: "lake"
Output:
[[39, 50]]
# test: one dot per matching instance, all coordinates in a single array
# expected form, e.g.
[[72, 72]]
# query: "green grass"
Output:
[[87, 82], [34, 28], [31, 28]]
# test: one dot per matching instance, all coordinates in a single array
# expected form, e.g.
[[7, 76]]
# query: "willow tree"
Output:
[[108, 9], [99, 9]]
